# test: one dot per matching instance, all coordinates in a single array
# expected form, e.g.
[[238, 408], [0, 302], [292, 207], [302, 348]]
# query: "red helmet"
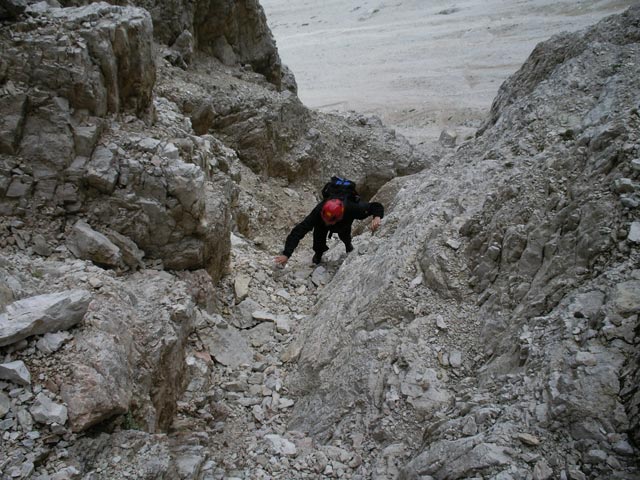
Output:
[[332, 211]]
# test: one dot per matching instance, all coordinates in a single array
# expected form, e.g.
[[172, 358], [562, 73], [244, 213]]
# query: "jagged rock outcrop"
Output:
[[61, 151], [549, 253], [275, 135], [235, 32]]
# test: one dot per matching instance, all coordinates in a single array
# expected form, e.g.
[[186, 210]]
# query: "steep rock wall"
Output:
[[550, 252]]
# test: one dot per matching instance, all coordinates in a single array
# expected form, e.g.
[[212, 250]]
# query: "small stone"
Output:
[[15, 372], [542, 471], [528, 439], [630, 201], [595, 456], [95, 282], [283, 293], [5, 404], [283, 325], [586, 358], [621, 448], [264, 316], [448, 138], [40, 246], [453, 244], [281, 446], [52, 342], [241, 287], [634, 233], [285, 403], [320, 276], [149, 144], [455, 359], [48, 412], [441, 324], [575, 474], [623, 185]]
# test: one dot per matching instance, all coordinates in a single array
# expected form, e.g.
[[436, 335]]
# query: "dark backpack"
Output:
[[340, 188]]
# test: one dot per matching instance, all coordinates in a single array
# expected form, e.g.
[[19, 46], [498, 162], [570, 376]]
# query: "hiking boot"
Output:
[[317, 258], [349, 247]]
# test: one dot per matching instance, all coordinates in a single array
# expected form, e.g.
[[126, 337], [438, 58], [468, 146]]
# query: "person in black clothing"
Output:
[[330, 216]]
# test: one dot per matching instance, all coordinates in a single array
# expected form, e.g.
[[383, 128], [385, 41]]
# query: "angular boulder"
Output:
[[43, 313], [87, 244]]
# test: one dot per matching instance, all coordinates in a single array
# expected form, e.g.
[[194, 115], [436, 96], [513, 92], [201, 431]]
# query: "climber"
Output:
[[332, 215]]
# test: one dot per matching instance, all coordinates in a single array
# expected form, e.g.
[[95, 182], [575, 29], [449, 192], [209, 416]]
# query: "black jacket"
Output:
[[352, 211]]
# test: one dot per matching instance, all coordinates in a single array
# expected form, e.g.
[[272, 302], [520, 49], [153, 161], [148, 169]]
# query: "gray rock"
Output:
[[624, 185], [229, 347], [243, 317], [448, 138], [181, 53], [14, 108], [630, 201], [15, 372], [626, 297], [24, 420], [5, 404], [102, 170], [528, 439], [542, 471], [52, 342], [634, 232], [85, 138], [586, 358], [262, 334], [264, 316], [283, 324], [320, 276], [66, 473], [595, 456], [87, 244], [189, 465], [47, 412], [281, 446], [131, 254], [455, 359], [441, 324], [241, 287], [456, 459], [41, 247], [42, 314]]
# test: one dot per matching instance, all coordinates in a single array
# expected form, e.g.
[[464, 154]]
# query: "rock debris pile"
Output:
[[488, 330]]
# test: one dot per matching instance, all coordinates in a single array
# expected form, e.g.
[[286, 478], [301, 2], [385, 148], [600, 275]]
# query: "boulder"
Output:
[[43, 313], [110, 67], [229, 347], [87, 244]]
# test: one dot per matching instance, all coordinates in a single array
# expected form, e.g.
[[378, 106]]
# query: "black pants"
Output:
[[321, 232]]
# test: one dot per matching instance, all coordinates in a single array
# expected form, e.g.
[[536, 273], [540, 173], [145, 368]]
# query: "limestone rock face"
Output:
[[235, 32], [125, 355], [60, 153], [275, 135], [110, 67], [549, 296]]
